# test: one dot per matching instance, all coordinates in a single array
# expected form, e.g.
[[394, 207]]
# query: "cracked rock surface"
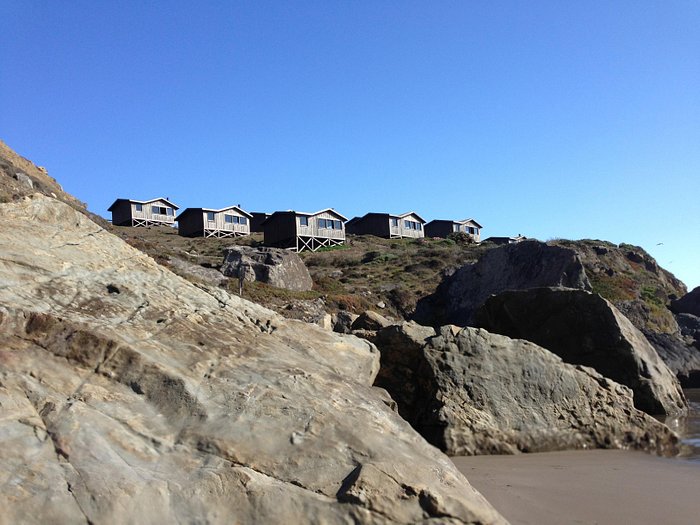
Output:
[[128, 395], [473, 392]]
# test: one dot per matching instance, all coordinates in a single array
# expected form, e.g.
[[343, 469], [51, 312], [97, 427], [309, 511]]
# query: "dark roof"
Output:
[[456, 222], [295, 213], [401, 216], [143, 202], [192, 210]]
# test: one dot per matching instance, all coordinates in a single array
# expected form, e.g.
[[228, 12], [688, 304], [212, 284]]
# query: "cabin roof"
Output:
[[306, 214], [469, 220], [401, 216], [464, 221], [192, 210], [410, 213], [175, 206]]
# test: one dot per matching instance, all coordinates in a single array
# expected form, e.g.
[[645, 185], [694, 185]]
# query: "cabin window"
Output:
[[395, 223], [411, 225], [329, 224], [419, 226], [169, 211], [243, 220], [228, 219], [303, 221], [139, 207], [210, 216], [455, 227]]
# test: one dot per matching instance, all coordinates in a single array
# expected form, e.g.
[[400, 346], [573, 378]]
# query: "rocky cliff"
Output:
[[130, 395]]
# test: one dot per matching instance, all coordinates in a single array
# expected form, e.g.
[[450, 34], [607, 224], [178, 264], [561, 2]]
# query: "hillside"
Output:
[[396, 273], [368, 271]]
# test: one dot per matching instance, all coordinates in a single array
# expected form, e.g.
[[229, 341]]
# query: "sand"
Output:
[[597, 486]]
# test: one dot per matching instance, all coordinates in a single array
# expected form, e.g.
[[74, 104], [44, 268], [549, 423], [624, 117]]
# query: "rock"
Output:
[[683, 358], [689, 326], [130, 395], [479, 393], [381, 304], [23, 178], [527, 264], [273, 266], [196, 273], [370, 320], [632, 280], [342, 321], [308, 310], [326, 322], [688, 304], [401, 348], [583, 328]]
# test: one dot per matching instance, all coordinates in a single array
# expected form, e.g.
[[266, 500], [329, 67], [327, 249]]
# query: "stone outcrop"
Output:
[[273, 266], [520, 266], [583, 328], [370, 320], [131, 396], [681, 355], [688, 304], [471, 392], [342, 321]]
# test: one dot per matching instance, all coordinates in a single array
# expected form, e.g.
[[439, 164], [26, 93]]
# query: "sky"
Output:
[[546, 118]]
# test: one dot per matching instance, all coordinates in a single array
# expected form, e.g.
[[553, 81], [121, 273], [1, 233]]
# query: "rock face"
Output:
[[342, 321], [276, 267], [583, 328], [682, 357], [129, 395], [524, 265], [370, 320], [471, 392], [688, 304]]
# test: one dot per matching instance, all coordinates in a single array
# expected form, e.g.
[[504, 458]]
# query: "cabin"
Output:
[[154, 212], [506, 240], [442, 228], [257, 221], [301, 231], [206, 222], [387, 225]]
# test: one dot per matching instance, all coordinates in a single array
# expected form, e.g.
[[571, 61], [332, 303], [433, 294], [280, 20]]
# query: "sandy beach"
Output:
[[597, 486]]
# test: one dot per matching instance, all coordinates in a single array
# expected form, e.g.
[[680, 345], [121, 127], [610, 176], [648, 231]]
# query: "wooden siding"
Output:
[[147, 214], [403, 231], [219, 223], [284, 230], [313, 230], [121, 214], [442, 228]]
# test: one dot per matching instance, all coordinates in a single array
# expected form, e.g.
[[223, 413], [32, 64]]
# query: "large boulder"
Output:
[[583, 328], [273, 266], [369, 320], [681, 356], [471, 392], [130, 395], [520, 266], [688, 304]]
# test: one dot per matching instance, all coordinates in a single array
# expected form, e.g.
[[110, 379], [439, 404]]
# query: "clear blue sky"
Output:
[[550, 119]]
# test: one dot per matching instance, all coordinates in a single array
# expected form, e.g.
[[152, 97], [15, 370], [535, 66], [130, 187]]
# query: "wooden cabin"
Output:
[[154, 212], [257, 221], [506, 240], [206, 222], [442, 228], [387, 225], [301, 231]]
